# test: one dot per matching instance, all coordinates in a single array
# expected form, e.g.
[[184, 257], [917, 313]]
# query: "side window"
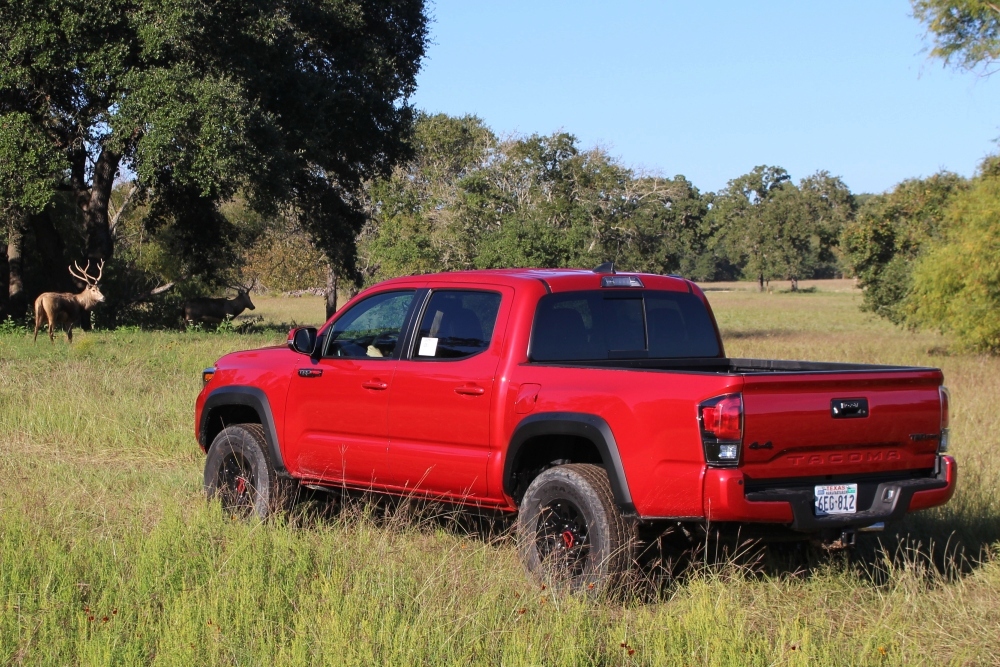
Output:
[[456, 324], [371, 328]]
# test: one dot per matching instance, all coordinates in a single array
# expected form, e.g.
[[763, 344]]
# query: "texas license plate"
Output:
[[836, 499]]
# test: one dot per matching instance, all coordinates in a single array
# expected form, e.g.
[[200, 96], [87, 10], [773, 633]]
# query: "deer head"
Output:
[[91, 292], [242, 299]]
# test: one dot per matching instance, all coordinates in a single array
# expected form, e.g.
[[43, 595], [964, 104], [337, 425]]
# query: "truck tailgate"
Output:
[[809, 424]]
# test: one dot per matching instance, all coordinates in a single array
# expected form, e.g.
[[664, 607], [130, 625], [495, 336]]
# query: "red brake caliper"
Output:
[[241, 486], [568, 539]]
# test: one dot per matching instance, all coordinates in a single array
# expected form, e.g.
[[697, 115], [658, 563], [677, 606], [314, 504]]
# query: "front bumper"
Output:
[[726, 499]]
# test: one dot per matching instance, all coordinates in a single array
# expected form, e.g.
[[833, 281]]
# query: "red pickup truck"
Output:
[[591, 403]]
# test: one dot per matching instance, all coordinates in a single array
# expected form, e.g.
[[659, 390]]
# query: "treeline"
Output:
[[470, 199], [927, 255]]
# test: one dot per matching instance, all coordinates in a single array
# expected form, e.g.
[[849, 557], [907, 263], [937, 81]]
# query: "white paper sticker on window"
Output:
[[428, 346]]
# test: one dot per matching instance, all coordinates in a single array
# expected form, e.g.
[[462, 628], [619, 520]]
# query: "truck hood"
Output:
[[265, 357]]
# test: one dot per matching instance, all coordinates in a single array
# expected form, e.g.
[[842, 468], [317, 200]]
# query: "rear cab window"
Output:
[[620, 324], [456, 324]]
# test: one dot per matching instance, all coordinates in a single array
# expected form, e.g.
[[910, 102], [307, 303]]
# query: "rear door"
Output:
[[439, 409], [813, 424]]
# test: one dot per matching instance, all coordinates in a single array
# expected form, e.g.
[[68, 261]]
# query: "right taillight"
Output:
[[721, 422], [945, 400]]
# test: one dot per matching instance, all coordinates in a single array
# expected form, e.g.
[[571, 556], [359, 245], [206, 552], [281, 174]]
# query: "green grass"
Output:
[[102, 515]]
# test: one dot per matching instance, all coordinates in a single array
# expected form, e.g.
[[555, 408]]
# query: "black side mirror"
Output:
[[302, 340]]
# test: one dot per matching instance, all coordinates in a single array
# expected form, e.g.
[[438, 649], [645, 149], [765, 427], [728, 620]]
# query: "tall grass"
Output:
[[110, 555]]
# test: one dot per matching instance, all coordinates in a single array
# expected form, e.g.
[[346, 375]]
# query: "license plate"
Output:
[[836, 499]]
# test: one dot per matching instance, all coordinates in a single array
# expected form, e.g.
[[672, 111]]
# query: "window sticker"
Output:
[[428, 346]]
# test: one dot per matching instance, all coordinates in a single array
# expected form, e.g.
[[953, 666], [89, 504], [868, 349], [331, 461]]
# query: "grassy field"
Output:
[[110, 555]]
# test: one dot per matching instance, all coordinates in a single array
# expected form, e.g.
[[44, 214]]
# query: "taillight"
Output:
[[945, 400], [721, 422]]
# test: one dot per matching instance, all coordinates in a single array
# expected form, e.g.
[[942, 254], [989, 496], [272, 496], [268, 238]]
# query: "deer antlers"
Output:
[[244, 288], [81, 274]]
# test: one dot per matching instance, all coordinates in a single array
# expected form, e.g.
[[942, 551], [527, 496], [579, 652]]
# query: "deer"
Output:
[[66, 308], [216, 311]]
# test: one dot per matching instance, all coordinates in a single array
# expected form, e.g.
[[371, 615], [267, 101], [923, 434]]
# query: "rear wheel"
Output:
[[239, 472], [570, 532]]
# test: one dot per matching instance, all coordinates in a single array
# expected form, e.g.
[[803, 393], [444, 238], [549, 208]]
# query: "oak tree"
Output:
[[291, 104]]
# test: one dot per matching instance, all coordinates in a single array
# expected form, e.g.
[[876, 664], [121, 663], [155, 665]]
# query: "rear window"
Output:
[[578, 326]]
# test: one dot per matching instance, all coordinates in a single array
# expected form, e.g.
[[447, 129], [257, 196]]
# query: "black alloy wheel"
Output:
[[236, 485], [571, 534], [562, 536], [239, 472]]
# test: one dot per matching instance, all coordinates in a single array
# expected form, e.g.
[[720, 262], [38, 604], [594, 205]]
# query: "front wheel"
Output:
[[570, 532], [239, 472]]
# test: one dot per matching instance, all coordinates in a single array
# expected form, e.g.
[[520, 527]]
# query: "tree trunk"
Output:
[[53, 254], [760, 282], [4, 282], [100, 244], [15, 265], [331, 291], [795, 284]]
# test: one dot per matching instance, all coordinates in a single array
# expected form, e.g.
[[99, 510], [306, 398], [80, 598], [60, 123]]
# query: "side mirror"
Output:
[[302, 340]]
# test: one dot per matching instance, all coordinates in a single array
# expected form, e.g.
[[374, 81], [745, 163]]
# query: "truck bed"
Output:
[[736, 366]]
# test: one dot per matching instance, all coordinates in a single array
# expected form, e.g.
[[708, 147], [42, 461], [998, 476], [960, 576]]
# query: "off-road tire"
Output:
[[570, 533], [240, 452]]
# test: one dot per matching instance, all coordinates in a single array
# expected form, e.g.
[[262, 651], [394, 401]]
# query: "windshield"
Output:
[[593, 325]]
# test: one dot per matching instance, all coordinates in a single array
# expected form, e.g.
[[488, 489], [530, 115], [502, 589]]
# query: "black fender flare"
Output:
[[250, 397], [590, 427]]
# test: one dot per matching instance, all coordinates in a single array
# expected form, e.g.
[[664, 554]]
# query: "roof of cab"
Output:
[[554, 280]]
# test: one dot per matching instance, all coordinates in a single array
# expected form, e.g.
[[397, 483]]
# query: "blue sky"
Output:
[[709, 90]]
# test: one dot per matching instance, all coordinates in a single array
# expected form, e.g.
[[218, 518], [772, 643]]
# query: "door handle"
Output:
[[470, 390], [310, 372], [376, 384]]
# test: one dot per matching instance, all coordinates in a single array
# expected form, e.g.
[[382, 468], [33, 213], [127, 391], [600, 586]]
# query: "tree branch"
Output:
[[116, 212], [146, 296]]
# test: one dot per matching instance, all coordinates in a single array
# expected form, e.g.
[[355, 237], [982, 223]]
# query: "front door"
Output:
[[337, 412], [439, 410]]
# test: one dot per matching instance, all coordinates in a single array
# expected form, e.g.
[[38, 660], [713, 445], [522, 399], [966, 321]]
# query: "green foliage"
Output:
[[966, 33], [772, 229], [471, 200], [11, 327], [29, 167], [282, 258], [288, 107], [889, 233], [956, 283]]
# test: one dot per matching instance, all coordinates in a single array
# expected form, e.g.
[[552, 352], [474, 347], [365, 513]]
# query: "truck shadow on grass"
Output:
[[939, 548], [936, 547]]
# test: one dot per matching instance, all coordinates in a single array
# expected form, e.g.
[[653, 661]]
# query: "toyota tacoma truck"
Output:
[[592, 404]]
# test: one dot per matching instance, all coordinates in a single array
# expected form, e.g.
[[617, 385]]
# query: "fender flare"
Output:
[[250, 397], [587, 426]]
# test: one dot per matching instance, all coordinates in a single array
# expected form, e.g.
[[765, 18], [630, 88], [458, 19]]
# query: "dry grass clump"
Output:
[[110, 555]]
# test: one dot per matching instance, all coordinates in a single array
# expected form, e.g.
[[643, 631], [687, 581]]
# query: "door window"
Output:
[[370, 329], [456, 324]]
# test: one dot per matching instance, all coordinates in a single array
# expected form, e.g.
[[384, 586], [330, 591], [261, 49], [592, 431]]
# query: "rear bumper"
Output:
[[727, 500]]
